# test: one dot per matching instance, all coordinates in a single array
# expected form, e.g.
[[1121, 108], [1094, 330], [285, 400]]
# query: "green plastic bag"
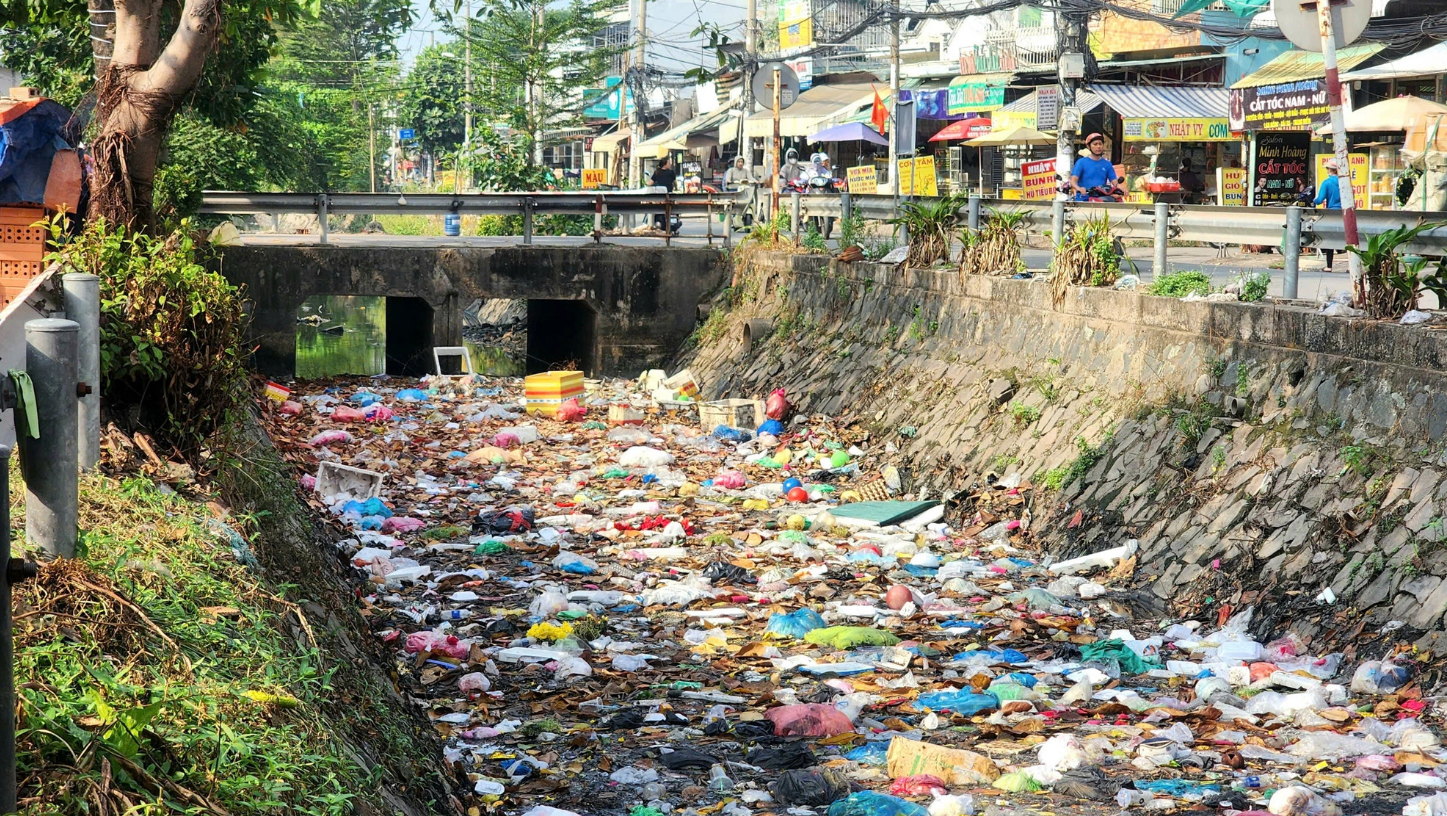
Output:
[[1121, 653], [1017, 782], [847, 637], [491, 547]]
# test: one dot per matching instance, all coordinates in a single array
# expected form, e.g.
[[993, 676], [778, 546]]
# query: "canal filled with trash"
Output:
[[614, 599], [342, 334]]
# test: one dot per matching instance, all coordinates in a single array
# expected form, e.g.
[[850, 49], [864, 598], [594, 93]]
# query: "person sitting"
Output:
[[1191, 183]]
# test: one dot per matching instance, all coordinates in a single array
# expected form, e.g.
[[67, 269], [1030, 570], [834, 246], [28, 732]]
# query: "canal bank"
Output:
[[1257, 452]]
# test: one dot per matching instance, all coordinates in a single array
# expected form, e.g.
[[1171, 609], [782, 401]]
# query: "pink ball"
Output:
[[897, 597]]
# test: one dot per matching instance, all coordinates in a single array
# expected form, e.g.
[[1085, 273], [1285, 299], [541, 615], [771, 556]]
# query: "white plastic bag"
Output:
[[1298, 800], [549, 602], [1062, 752], [645, 457]]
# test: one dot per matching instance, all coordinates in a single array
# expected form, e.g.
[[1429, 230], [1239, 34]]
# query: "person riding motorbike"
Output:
[[819, 180], [1093, 178], [791, 170], [739, 177]]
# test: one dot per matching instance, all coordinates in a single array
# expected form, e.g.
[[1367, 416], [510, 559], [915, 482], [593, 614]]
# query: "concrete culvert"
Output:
[[754, 331]]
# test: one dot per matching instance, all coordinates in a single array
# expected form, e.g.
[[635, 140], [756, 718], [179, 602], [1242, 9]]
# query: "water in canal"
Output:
[[339, 334]]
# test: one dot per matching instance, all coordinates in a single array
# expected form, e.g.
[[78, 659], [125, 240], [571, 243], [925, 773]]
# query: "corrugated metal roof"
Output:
[[820, 105], [1085, 100], [1295, 65], [1165, 101], [1426, 62]]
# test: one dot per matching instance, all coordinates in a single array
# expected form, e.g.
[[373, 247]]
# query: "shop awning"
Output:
[[1164, 101], [1427, 62], [1389, 116], [608, 142], [816, 107], [1293, 66], [674, 137]]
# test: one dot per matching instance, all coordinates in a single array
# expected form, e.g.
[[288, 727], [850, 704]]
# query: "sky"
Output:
[[670, 26]]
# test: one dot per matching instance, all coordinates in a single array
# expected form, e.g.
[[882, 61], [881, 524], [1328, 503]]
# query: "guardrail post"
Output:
[[1292, 250], [1057, 225], [974, 213], [1163, 224], [846, 205], [322, 216], [12, 571], [709, 219], [527, 221], [794, 203], [51, 485], [82, 304], [598, 208]]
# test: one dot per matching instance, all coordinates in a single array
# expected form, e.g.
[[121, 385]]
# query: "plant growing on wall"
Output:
[[995, 249], [1393, 284], [1087, 256], [931, 224]]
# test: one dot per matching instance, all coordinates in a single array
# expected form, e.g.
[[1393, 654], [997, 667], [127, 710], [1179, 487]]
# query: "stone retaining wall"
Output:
[[1261, 454]]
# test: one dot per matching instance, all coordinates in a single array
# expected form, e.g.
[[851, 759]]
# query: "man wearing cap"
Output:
[[1093, 171], [1329, 193]]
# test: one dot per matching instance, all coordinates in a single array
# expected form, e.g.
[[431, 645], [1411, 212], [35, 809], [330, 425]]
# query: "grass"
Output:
[[1181, 284], [1089, 455], [158, 673], [1024, 414], [1195, 421]]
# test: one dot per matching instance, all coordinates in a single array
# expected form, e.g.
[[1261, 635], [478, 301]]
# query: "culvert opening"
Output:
[[562, 335], [409, 337]]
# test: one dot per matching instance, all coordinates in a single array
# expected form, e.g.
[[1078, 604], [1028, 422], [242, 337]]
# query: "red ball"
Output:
[[897, 597], [798, 494]]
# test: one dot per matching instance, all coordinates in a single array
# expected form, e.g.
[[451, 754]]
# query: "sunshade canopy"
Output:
[[1165, 101], [1390, 115], [1018, 135], [817, 106], [1427, 62], [849, 132], [1293, 66], [963, 129]]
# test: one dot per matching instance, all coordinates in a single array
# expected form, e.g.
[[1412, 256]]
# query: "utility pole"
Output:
[[1071, 34], [894, 108], [466, 155], [534, 107], [1339, 145], [635, 120], [778, 142], [751, 64], [371, 146]]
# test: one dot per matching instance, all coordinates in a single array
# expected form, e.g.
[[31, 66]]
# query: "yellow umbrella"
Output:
[[670, 147], [1389, 115], [1018, 135]]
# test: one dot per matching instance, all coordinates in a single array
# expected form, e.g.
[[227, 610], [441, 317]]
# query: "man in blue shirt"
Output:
[[1329, 193], [1092, 171]]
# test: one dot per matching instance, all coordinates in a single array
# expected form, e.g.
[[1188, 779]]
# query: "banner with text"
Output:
[[1177, 130], [925, 181], [1287, 106], [1231, 186], [905, 173], [1359, 175], [594, 176], [863, 180], [1281, 163], [1039, 179]]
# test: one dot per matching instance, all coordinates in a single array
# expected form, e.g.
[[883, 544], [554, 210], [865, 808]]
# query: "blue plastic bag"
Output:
[[996, 655], [964, 701], [795, 624], [772, 427], [870, 753], [375, 507], [412, 395], [365, 398], [727, 434], [869, 803]]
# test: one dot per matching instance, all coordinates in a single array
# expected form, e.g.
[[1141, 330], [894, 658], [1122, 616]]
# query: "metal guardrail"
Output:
[[598, 204]]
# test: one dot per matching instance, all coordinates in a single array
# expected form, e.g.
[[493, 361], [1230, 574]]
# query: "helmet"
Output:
[[791, 155], [1094, 137]]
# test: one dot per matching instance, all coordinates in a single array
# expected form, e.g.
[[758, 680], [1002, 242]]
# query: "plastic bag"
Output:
[[345, 414], [808, 720], [644, 457], [772, 427], [1434, 805], [730, 480], [575, 564], [627, 435], [1062, 752], [962, 805], [402, 524], [571, 411], [847, 637], [1379, 677], [869, 803], [330, 437], [1286, 706], [502, 522], [1332, 747], [963, 701], [917, 785], [1298, 800], [475, 681], [777, 406], [810, 787], [573, 667], [1017, 782], [548, 603], [432, 641]]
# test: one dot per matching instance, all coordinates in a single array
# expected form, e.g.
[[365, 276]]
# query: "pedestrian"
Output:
[[664, 177], [1191, 183], [1329, 193], [740, 177]]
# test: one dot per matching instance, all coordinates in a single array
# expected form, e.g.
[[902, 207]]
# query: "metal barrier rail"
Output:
[[528, 205]]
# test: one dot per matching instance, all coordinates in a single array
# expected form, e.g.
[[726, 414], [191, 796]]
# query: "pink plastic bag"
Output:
[[328, 437], [345, 414], [377, 412], [918, 785], [571, 411], [476, 681], [808, 720], [777, 406], [289, 408], [402, 524], [430, 641], [505, 440], [730, 479]]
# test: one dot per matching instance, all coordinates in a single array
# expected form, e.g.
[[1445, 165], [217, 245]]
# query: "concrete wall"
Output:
[[645, 299], [1328, 473]]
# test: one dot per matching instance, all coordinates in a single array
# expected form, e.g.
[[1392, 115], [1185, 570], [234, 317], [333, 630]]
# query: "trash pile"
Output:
[[619, 604]]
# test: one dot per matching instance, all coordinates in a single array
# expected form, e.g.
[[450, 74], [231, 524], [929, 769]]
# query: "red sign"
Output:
[[1039, 179]]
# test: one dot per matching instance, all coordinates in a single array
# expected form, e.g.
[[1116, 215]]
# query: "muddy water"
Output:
[[360, 348]]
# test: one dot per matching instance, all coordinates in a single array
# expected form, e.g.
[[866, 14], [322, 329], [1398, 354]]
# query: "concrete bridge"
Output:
[[612, 309]]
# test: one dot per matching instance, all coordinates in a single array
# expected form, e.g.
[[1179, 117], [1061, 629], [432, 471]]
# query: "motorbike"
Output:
[[1111, 195]]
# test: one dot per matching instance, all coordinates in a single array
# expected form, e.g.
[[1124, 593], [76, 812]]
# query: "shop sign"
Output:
[[925, 183], [1177, 130], [988, 58], [1288, 106], [1004, 120], [593, 177], [1280, 168], [969, 97], [928, 104], [796, 25], [1231, 186], [1047, 108], [1039, 179], [804, 69], [1358, 162], [905, 174], [862, 180], [607, 104]]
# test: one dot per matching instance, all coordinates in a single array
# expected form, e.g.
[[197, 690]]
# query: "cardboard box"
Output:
[[735, 413], [545, 392], [958, 768]]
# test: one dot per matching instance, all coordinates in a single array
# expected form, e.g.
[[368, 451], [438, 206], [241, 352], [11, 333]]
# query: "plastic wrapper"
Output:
[[869, 803], [809, 720], [847, 637], [812, 787], [1299, 800], [917, 785], [965, 702], [1379, 677]]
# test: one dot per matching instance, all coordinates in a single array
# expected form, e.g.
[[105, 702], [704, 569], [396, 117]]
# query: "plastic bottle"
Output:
[[718, 780], [1127, 797], [652, 791], [456, 614]]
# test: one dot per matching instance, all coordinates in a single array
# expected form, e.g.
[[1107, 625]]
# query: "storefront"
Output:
[[1415, 85], [1279, 107], [1006, 167], [1170, 134]]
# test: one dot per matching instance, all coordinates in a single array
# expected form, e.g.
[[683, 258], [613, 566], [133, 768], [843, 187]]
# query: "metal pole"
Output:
[[372, 147], [322, 216], [846, 204], [1163, 223], [1339, 143], [794, 200], [974, 213], [51, 485], [751, 48], [82, 304], [894, 110], [1293, 251], [709, 219], [1057, 221], [14, 571], [527, 221], [465, 157], [778, 143]]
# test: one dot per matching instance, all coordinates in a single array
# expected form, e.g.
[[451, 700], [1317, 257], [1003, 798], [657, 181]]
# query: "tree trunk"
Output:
[[138, 89]]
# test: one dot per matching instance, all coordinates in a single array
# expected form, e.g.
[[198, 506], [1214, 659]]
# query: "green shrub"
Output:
[[172, 331], [1254, 286], [1181, 284]]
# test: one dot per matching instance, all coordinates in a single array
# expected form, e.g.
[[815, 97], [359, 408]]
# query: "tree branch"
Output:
[[137, 32], [179, 66]]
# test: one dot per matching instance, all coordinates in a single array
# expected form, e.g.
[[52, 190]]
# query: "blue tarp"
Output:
[[27, 146]]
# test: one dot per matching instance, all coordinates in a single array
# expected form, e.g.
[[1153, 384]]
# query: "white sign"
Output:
[[1047, 108], [804, 67]]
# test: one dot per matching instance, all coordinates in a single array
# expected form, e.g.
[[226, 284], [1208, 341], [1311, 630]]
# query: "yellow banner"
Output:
[[925, 183], [1177, 130], [594, 176], [1359, 175], [796, 34], [906, 177], [1231, 186], [1004, 120], [863, 180], [1039, 179]]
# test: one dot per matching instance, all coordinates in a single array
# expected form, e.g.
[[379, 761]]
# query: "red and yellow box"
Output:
[[545, 392]]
